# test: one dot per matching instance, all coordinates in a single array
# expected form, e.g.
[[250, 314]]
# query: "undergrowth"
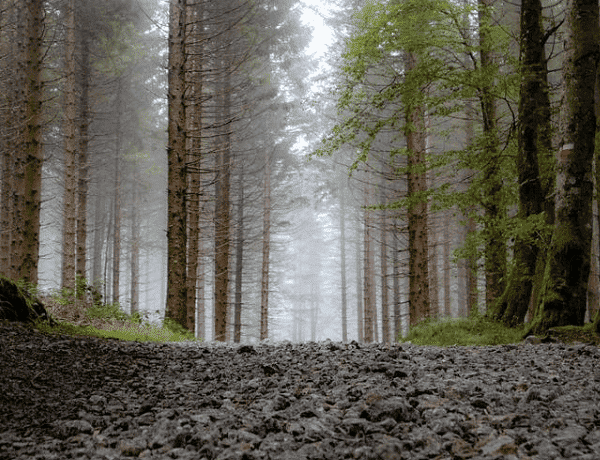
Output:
[[476, 330], [82, 312]]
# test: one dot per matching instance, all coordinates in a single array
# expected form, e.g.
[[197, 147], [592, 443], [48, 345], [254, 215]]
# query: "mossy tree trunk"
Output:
[[534, 145], [563, 296]]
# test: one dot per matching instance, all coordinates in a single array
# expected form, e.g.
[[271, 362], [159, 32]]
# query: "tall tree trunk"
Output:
[[239, 260], [116, 269], [84, 123], [396, 283], [343, 266], [446, 265], [534, 115], [135, 245], [563, 298], [194, 37], [368, 263], [495, 246], [29, 222], [99, 239], [70, 158], [359, 285], [419, 303], [223, 219], [176, 195], [385, 314], [266, 237]]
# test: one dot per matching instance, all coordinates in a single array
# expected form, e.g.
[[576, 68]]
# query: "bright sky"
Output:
[[322, 35]]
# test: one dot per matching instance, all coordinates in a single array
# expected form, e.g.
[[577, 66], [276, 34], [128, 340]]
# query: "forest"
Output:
[[302, 170]]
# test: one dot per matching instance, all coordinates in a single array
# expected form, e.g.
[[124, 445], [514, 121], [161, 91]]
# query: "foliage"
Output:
[[129, 331], [475, 330]]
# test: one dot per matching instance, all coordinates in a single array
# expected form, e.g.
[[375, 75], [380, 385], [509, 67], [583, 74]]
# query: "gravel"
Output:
[[87, 398]]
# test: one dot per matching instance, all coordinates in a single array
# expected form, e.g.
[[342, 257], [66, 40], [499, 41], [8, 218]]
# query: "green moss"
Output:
[[462, 331]]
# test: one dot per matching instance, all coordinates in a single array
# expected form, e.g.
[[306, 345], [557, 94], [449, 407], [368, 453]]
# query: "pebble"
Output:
[[67, 397]]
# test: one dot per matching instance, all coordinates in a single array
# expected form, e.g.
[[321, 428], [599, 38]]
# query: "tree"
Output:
[[177, 178], [563, 295], [29, 166], [534, 145]]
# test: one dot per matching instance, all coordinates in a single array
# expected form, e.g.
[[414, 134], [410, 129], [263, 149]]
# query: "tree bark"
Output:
[[29, 223], [266, 236], [83, 167], [419, 303], [534, 116], [70, 156], [563, 295], [176, 194], [495, 245], [343, 265]]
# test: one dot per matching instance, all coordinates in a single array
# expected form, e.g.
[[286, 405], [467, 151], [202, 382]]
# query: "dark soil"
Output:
[[81, 397]]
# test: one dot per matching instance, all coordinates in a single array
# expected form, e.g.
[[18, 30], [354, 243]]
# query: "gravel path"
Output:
[[65, 397]]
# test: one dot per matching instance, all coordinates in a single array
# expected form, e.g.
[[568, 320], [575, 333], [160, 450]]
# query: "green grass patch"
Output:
[[122, 330], [448, 332]]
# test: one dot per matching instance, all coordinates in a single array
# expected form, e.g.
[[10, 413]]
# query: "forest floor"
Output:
[[91, 398]]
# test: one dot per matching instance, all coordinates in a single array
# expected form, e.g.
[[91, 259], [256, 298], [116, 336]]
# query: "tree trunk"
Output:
[[29, 224], [495, 242], [84, 123], [116, 268], [239, 260], [194, 37], [368, 263], [223, 219], [343, 265], [563, 299], [534, 116], [266, 236], [419, 304], [176, 194], [70, 158], [359, 286], [385, 314]]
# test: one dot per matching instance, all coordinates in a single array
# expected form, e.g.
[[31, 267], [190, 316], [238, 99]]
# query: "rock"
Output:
[[16, 304]]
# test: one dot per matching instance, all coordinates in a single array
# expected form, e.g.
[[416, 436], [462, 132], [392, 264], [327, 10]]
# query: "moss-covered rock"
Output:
[[16, 304]]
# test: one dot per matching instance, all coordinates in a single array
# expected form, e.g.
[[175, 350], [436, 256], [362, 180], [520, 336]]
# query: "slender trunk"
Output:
[[369, 261], [343, 266], [84, 115], [359, 285], [70, 163], [264, 302], [99, 239], [495, 250], [446, 256], [194, 151], [222, 222], [135, 246], [176, 195], [533, 107], [116, 269], [239, 259], [419, 304], [385, 315], [396, 284], [29, 224]]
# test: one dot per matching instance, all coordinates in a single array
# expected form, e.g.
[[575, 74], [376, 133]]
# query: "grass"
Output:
[[447, 332], [87, 317]]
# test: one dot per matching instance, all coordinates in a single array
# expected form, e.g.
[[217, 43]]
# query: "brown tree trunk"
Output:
[[359, 285], [84, 122], [116, 268], [368, 264], [239, 261], [419, 303], [29, 222], [385, 314], [70, 157], [563, 298], [176, 194], [343, 286], [266, 236], [534, 115], [495, 246]]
